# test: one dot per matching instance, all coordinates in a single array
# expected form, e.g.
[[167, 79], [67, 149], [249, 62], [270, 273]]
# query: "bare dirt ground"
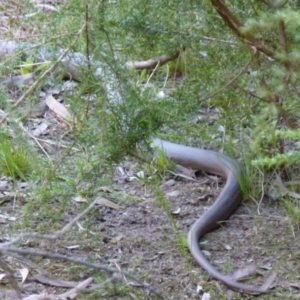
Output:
[[139, 238], [149, 243]]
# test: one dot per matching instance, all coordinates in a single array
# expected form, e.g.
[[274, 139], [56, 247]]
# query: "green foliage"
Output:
[[247, 91], [282, 159], [14, 159], [27, 67], [293, 210], [181, 240], [241, 80], [161, 161]]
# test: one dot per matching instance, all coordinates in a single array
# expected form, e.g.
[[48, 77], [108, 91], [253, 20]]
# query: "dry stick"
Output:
[[262, 193], [72, 293], [48, 236], [282, 36], [87, 42], [35, 84], [153, 62], [33, 64], [152, 73], [232, 80], [36, 141], [29, 263], [229, 18], [288, 63], [284, 190], [88, 57], [51, 142], [64, 229], [235, 25], [113, 272], [4, 248], [33, 137]]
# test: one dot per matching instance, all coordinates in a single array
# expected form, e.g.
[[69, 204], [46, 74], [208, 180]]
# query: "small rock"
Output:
[[170, 182], [173, 194]]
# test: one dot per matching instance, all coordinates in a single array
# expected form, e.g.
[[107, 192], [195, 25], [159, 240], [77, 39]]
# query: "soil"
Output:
[[144, 238], [141, 239]]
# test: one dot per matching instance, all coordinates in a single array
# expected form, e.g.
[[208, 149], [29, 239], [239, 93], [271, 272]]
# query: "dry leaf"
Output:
[[54, 281], [24, 273], [108, 203], [177, 211], [79, 199], [40, 129], [73, 247], [205, 296], [60, 110], [43, 296], [173, 194], [2, 276], [71, 294]]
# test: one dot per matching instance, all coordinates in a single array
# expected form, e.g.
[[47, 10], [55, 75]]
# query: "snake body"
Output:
[[226, 203], [210, 161]]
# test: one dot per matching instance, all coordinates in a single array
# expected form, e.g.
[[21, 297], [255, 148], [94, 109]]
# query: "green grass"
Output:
[[15, 159], [246, 127]]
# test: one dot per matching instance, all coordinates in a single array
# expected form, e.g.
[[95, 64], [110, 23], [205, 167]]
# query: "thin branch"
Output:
[[282, 36], [65, 228], [231, 81], [49, 236], [87, 41], [235, 25], [36, 141], [229, 18], [152, 62], [113, 272], [290, 121], [6, 249], [288, 63]]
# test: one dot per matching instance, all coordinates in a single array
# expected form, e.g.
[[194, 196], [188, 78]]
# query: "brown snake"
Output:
[[210, 161], [229, 199]]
